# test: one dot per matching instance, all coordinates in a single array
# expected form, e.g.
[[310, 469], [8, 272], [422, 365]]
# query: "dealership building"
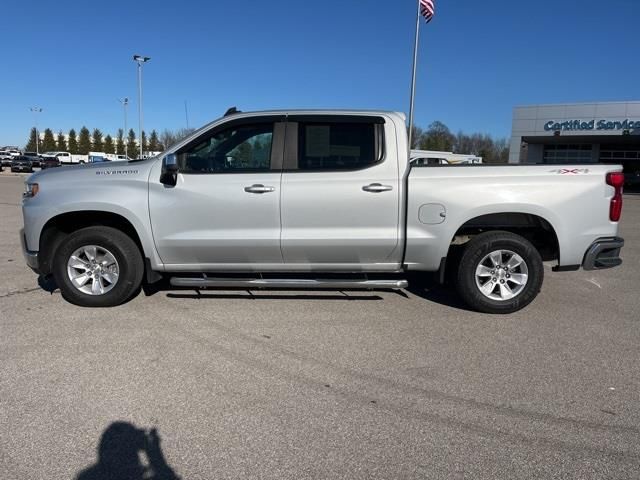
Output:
[[577, 133]]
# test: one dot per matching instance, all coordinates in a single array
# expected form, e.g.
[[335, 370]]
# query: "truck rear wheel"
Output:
[[499, 272], [98, 267]]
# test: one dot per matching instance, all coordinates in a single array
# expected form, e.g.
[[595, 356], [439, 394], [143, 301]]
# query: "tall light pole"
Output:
[[140, 60], [36, 111], [125, 102]]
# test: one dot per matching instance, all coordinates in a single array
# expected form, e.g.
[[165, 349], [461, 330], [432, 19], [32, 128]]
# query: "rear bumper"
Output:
[[603, 253], [31, 258]]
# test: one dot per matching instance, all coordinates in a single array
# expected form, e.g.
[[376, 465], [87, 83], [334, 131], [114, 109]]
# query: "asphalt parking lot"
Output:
[[298, 385]]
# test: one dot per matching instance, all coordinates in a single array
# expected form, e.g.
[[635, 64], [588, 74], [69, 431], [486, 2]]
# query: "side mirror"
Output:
[[169, 174]]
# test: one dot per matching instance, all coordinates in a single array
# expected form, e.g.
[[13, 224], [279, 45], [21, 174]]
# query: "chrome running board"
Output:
[[249, 283]]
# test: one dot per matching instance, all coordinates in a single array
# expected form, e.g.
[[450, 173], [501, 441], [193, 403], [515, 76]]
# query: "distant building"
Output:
[[577, 133]]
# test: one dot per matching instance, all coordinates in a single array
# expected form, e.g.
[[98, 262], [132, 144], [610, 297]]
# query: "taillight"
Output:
[[616, 180]]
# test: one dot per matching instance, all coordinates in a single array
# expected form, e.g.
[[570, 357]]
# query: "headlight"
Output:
[[31, 190]]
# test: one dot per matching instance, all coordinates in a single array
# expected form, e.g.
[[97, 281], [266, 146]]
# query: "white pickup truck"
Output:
[[315, 199], [64, 158]]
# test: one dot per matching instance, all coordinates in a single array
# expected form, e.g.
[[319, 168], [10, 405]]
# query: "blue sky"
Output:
[[478, 59]]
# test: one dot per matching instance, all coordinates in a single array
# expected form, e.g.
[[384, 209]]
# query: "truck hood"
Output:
[[95, 171]]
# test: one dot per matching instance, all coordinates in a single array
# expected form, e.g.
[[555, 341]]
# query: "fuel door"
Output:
[[432, 213]]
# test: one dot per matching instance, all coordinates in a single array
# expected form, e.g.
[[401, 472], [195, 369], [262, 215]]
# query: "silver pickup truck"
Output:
[[315, 199]]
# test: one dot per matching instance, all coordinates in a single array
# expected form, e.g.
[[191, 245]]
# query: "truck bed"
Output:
[[573, 199]]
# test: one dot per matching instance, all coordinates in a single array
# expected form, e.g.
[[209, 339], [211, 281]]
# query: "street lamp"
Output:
[[140, 60], [125, 102], [35, 111]]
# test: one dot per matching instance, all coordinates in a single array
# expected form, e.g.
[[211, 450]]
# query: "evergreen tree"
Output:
[[109, 147], [48, 142], [120, 142], [132, 146], [62, 143], [145, 146], [154, 143], [31, 144], [84, 141], [72, 144], [97, 143]]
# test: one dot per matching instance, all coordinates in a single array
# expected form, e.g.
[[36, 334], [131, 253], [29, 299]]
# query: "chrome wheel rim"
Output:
[[502, 275], [93, 270]]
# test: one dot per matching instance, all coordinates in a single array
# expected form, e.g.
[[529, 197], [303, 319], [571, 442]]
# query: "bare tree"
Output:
[[171, 137], [438, 137]]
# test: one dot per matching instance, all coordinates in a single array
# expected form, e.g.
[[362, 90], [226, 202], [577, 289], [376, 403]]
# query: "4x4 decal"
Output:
[[570, 171]]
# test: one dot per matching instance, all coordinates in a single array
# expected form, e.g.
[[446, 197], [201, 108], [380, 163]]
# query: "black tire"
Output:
[[126, 253], [481, 246]]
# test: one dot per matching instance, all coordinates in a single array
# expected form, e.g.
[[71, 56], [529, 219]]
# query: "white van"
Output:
[[430, 157]]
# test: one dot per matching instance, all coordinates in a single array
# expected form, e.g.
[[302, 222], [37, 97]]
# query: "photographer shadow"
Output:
[[129, 453]]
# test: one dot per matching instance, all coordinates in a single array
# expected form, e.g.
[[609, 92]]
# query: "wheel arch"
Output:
[[57, 228], [535, 228]]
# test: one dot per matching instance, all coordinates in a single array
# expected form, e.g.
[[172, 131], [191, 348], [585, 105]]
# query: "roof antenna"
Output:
[[231, 111]]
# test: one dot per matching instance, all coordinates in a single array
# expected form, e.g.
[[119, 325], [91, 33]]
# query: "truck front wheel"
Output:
[[98, 267], [499, 272]]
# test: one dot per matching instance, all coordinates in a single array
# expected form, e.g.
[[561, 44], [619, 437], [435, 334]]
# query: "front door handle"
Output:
[[259, 188], [377, 188]]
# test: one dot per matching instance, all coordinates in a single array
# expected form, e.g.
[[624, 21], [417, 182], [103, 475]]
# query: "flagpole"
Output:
[[413, 77]]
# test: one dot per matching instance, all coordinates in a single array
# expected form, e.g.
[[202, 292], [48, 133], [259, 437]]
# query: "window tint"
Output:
[[336, 146], [244, 148]]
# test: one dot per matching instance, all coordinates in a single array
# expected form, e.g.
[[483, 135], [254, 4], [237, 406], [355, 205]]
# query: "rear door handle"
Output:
[[377, 188], [259, 188]]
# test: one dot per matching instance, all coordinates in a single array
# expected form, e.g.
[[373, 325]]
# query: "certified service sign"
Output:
[[581, 125]]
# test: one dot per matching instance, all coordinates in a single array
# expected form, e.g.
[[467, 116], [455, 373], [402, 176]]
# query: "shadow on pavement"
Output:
[[426, 286], [265, 294], [121, 452]]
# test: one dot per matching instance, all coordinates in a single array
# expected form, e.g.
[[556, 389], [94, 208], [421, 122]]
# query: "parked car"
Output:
[[5, 158], [97, 159], [303, 199], [21, 163], [49, 162], [34, 157], [109, 157]]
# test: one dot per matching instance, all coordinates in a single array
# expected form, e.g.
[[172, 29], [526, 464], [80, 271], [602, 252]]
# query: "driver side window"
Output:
[[238, 149]]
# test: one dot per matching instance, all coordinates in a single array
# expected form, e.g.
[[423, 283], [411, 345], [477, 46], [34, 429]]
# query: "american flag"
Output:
[[428, 9]]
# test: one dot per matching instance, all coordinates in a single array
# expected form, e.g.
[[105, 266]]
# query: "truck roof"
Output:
[[317, 111], [309, 111]]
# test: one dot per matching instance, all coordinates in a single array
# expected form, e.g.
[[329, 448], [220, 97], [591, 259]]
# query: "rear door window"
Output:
[[337, 146]]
